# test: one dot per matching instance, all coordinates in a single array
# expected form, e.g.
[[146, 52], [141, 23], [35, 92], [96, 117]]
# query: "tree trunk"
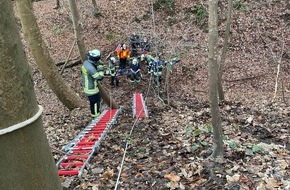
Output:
[[106, 98], [213, 76], [77, 29], [224, 51], [26, 160], [40, 52]]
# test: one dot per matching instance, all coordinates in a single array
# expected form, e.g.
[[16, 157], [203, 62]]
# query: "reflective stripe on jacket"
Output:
[[90, 76], [112, 69], [149, 59]]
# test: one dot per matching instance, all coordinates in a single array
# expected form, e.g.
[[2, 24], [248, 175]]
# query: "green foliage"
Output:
[[165, 5], [189, 130], [140, 150], [239, 5], [57, 29], [249, 152], [232, 145], [201, 17], [194, 147], [198, 132], [224, 138], [110, 37], [128, 139], [200, 13], [256, 148], [207, 128]]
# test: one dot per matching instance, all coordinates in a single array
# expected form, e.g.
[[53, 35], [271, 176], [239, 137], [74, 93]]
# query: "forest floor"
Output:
[[171, 148]]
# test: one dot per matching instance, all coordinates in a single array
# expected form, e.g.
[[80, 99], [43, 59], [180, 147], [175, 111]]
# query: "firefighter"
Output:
[[113, 71], [156, 69], [135, 69], [93, 72], [148, 60]]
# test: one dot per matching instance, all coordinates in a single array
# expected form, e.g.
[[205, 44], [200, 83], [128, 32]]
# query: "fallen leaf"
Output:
[[108, 174], [172, 177]]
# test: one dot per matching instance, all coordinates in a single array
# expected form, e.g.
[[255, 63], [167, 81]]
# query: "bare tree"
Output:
[[26, 160], [42, 57], [213, 76], [224, 51], [77, 29]]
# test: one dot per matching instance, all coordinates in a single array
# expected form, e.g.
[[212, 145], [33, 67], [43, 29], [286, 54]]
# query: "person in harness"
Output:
[[123, 54], [93, 72], [135, 69], [156, 69], [113, 71], [148, 60]]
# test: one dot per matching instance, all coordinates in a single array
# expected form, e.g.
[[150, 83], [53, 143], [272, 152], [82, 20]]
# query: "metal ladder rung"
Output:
[[77, 157], [68, 172], [80, 151], [83, 147], [70, 164]]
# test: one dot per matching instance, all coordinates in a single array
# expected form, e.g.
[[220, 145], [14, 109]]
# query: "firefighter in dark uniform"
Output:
[[92, 72]]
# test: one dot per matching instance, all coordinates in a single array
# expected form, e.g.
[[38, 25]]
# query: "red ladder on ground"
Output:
[[139, 108], [82, 148]]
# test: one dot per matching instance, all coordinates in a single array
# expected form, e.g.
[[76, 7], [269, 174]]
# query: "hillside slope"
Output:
[[165, 150]]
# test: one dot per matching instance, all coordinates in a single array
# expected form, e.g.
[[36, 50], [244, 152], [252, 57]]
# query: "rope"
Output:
[[131, 131], [136, 120], [22, 124]]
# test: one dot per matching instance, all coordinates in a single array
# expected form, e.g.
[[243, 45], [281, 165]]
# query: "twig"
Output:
[[283, 94], [56, 150], [69, 54], [246, 78]]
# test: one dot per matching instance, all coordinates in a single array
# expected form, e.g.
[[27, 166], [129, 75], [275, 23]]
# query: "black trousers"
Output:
[[123, 63], [95, 104], [114, 79]]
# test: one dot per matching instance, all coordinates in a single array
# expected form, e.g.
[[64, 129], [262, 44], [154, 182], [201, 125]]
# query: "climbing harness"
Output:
[[81, 149]]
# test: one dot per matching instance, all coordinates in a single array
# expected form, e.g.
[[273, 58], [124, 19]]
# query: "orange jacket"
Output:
[[123, 54]]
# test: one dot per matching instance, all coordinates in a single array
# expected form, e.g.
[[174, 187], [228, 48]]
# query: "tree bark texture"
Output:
[[213, 77], [77, 29], [106, 98], [224, 51], [26, 160], [42, 57]]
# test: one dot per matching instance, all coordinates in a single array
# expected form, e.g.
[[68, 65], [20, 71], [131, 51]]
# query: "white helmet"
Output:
[[156, 59], [134, 61], [113, 59], [94, 55], [142, 57]]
